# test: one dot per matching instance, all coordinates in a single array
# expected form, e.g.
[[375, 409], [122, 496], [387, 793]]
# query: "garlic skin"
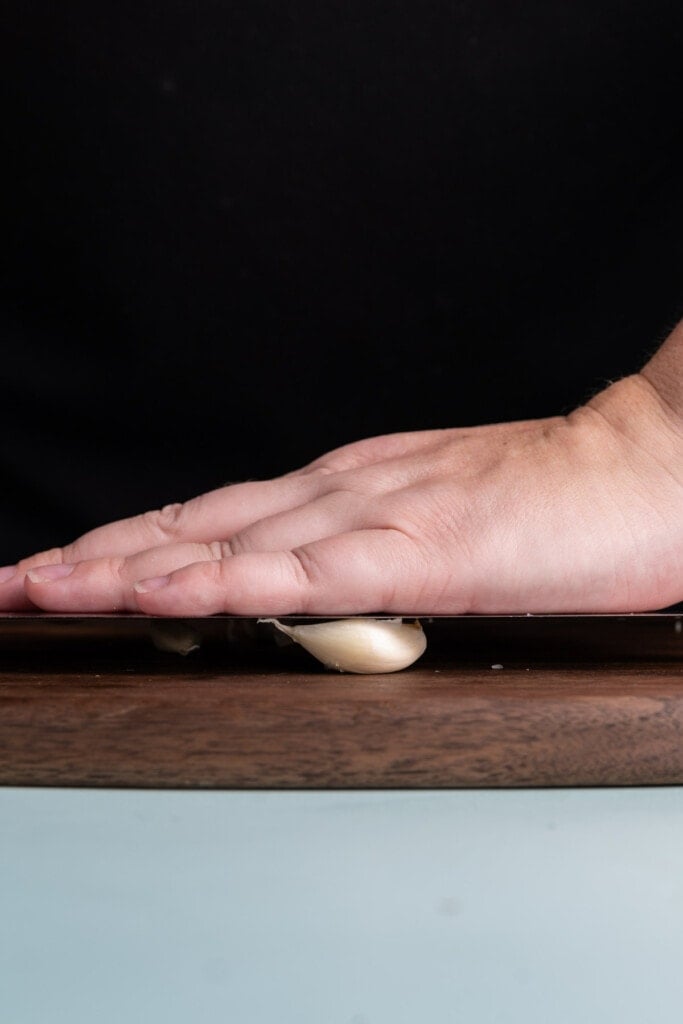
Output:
[[360, 645]]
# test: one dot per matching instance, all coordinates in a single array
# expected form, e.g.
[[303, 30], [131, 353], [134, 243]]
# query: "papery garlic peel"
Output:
[[363, 645]]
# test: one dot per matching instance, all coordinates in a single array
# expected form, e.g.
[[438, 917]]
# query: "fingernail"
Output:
[[7, 572], [155, 583], [48, 573]]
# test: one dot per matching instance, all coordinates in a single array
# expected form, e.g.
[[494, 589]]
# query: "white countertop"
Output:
[[526, 906]]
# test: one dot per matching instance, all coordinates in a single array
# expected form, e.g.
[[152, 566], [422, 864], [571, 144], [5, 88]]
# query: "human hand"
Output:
[[570, 514]]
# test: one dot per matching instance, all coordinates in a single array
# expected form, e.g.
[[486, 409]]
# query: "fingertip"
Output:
[[13, 596], [49, 573]]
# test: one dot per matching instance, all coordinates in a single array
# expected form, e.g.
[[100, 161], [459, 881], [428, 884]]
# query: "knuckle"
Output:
[[166, 521], [53, 556], [351, 456], [120, 570], [319, 469], [217, 550], [238, 544], [367, 482], [306, 567], [394, 512]]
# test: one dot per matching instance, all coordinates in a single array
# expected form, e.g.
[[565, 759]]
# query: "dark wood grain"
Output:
[[179, 724]]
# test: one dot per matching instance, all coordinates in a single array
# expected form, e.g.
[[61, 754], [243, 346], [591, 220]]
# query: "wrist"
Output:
[[663, 373], [646, 429]]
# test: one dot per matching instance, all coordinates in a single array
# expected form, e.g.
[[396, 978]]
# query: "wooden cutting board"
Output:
[[579, 700]]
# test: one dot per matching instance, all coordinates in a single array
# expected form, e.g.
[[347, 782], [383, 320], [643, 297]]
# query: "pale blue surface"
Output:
[[330, 908]]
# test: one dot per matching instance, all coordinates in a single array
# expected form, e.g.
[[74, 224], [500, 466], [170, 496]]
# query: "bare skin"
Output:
[[570, 514]]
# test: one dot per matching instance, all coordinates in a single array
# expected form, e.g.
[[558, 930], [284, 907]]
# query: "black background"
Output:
[[240, 234]]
